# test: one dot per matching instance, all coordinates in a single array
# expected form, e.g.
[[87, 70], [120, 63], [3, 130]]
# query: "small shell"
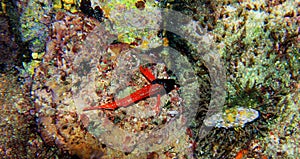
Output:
[[232, 117], [172, 112]]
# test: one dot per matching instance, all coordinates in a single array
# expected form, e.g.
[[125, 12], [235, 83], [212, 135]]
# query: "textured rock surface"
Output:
[[257, 40]]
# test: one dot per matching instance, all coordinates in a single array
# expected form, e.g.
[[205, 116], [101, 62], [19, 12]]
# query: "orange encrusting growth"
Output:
[[241, 154]]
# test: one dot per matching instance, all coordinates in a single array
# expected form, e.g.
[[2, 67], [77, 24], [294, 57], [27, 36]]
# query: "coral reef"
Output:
[[62, 89], [259, 44], [71, 51]]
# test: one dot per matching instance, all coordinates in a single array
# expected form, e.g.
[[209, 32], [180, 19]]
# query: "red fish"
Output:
[[157, 87]]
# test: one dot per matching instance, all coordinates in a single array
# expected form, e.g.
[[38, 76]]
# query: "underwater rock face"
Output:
[[71, 71], [8, 47], [258, 40], [58, 121], [34, 21], [19, 136]]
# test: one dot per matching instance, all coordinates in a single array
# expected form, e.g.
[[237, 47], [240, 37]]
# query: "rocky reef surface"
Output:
[[60, 56]]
